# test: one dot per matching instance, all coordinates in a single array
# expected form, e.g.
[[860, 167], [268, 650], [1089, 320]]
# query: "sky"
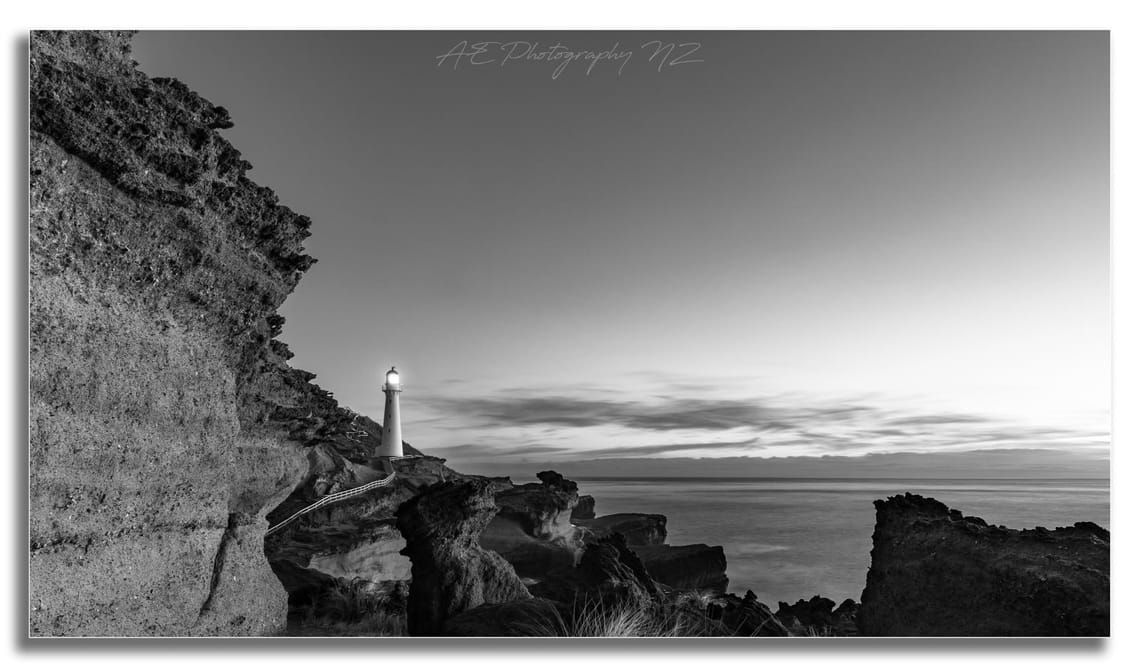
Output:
[[804, 245]]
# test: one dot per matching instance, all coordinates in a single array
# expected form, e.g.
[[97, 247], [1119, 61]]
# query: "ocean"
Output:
[[791, 538]]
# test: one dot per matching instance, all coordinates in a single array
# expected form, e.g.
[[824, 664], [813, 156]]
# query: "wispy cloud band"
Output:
[[522, 423]]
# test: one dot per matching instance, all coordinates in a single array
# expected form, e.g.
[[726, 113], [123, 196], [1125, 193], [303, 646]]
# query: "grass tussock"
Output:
[[377, 625], [592, 617], [353, 609]]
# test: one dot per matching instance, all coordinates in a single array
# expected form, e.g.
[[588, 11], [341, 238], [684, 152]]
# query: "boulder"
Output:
[[935, 572]]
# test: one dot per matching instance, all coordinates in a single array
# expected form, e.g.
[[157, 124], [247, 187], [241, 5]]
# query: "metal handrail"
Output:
[[332, 498]]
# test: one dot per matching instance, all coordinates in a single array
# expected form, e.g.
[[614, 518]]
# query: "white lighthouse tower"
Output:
[[392, 438]]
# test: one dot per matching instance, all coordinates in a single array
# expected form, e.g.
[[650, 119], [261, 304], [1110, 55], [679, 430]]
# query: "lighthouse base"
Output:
[[379, 462]]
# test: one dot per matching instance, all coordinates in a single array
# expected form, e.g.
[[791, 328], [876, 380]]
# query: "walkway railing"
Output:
[[334, 498]]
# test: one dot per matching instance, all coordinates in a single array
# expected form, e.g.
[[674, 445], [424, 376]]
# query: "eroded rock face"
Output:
[[532, 529], [540, 510], [937, 573], [164, 420], [451, 573]]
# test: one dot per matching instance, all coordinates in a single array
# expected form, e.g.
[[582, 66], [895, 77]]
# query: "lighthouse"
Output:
[[391, 440]]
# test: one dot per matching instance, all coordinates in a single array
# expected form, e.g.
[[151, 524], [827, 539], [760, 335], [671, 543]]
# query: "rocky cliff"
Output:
[[451, 573], [167, 432], [935, 572], [165, 422]]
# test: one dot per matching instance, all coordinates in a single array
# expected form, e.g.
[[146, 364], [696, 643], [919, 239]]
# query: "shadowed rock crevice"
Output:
[[219, 563]]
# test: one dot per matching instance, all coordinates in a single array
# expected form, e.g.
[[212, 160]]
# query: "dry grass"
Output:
[[626, 618], [377, 625], [352, 609], [819, 631]]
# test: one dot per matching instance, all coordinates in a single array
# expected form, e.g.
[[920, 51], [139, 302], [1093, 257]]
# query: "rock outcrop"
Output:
[[819, 616], [532, 529], [638, 529], [935, 572], [165, 422], [691, 566], [745, 616], [541, 510], [451, 573], [608, 572], [584, 509], [541, 533], [688, 567]]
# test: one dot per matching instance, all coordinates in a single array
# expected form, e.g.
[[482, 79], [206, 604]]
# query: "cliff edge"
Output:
[[164, 420]]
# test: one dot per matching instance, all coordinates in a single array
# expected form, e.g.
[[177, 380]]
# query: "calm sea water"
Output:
[[792, 538]]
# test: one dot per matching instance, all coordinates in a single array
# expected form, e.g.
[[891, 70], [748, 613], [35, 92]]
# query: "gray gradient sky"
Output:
[[807, 244]]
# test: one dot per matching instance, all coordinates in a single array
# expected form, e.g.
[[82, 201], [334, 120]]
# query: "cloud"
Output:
[[663, 449], [480, 450], [634, 422], [703, 414], [889, 432], [939, 419], [667, 415]]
